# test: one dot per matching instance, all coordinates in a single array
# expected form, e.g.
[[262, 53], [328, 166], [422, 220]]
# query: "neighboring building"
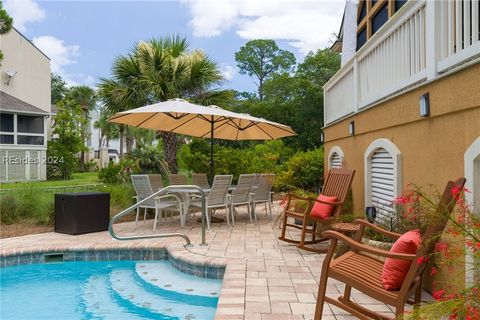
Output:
[[405, 108], [25, 106]]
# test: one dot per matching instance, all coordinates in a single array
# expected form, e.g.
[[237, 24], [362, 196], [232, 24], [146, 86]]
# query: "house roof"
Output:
[[337, 44], [10, 103]]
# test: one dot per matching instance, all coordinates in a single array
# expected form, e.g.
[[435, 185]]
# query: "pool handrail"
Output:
[[170, 188]]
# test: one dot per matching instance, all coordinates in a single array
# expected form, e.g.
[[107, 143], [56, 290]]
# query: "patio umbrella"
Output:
[[183, 117]]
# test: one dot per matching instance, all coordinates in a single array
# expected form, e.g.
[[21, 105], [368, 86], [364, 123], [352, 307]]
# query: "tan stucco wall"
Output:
[[432, 149], [32, 81]]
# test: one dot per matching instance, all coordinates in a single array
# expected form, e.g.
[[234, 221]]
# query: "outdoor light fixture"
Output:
[[10, 75], [425, 105], [322, 137], [351, 128]]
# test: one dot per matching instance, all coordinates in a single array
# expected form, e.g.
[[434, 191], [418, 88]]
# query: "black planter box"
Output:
[[83, 212]]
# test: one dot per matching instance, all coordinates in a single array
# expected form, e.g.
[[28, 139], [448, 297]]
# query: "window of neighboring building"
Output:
[[22, 129], [35, 140], [29, 124], [382, 179], [6, 122], [6, 126]]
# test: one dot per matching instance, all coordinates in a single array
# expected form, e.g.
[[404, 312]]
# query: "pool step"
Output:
[[161, 274], [99, 303], [127, 287]]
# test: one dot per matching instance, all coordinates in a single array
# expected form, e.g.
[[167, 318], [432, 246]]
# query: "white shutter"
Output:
[[335, 161], [382, 185]]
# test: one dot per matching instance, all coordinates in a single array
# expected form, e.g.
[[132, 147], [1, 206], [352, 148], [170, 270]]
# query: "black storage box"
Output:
[[83, 212]]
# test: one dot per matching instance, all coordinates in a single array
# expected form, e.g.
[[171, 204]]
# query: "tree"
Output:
[[66, 142], [85, 98], [123, 91], [297, 100], [262, 59], [6, 23], [108, 130], [59, 88]]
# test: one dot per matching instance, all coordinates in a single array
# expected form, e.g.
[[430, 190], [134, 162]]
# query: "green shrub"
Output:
[[121, 195], [10, 208], [27, 204], [111, 173], [301, 171], [62, 163]]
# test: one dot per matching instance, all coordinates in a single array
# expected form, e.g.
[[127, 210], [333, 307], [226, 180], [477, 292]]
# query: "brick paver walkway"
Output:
[[265, 279]]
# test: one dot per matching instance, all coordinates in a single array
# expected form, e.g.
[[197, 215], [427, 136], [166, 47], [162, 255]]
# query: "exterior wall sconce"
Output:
[[425, 105], [10, 75], [322, 137], [351, 128]]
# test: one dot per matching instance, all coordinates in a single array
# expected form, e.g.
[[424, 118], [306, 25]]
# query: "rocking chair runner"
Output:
[[364, 273], [337, 184]]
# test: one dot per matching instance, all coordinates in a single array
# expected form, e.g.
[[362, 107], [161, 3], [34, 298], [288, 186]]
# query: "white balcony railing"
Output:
[[422, 40]]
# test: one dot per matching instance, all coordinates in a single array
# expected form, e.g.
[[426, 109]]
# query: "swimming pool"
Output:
[[120, 290]]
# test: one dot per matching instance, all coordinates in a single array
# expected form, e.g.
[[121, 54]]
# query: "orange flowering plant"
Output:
[[460, 241]]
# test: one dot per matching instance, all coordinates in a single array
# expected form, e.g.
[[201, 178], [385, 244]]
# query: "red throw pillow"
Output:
[[323, 210], [395, 270]]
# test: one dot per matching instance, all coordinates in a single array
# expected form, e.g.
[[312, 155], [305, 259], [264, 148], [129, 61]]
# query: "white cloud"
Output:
[[61, 55], [227, 71], [23, 12], [306, 24]]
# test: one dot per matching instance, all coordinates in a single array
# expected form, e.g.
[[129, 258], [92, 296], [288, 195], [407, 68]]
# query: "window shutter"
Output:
[[335, 161], [382, 185]]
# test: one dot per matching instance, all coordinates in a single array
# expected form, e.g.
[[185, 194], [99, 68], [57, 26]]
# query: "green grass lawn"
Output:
[[79, 179]]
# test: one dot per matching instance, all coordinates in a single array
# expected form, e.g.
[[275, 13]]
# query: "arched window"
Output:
[[382, 178], [335, 158]]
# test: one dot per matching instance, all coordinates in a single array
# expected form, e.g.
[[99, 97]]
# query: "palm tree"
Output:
[[84, 97], [158, 70], [108, 130], [123, 91], [169, 71]]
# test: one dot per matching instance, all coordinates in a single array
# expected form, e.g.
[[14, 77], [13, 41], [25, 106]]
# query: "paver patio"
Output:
[[265, 279]]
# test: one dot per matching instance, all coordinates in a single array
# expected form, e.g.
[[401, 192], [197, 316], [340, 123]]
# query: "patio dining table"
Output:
[[185, 195]]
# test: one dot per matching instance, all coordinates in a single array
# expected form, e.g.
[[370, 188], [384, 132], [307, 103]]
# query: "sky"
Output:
[[82, 38]]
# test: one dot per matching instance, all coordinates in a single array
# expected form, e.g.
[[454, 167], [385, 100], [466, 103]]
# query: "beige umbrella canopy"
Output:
[[212, 122], [186, 118]]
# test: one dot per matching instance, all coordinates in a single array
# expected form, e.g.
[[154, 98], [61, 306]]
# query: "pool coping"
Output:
[[232, 271]]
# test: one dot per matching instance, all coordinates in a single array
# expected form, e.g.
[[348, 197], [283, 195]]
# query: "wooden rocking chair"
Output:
[[337, 184], [364, 272]]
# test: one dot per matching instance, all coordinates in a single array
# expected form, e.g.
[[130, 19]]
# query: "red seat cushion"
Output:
[[323, 210], [395, 270]]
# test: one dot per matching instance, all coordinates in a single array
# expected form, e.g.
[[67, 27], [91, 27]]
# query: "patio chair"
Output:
[[256, 179], [217, 198], [360, 270], [143, 189], [156, 181], [337, 184], [177, 179], [262, 194], [241, 195], [201, 180]]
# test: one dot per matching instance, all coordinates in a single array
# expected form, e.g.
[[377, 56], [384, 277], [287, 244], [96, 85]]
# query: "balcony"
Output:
[[419, 43]]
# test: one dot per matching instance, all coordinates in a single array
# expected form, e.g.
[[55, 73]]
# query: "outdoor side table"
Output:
[[346, 228], [82, 212]]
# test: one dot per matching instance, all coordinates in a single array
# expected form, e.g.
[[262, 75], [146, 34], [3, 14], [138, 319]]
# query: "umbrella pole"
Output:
[[211, 152]]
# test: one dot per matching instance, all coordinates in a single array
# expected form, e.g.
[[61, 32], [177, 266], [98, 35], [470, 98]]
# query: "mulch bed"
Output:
[[22, 229]]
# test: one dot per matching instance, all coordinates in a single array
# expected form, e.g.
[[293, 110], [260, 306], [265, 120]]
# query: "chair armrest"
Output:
[[330, 234], [377, 228]]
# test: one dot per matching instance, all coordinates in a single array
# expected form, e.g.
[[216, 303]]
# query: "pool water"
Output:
[[119, 290]]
